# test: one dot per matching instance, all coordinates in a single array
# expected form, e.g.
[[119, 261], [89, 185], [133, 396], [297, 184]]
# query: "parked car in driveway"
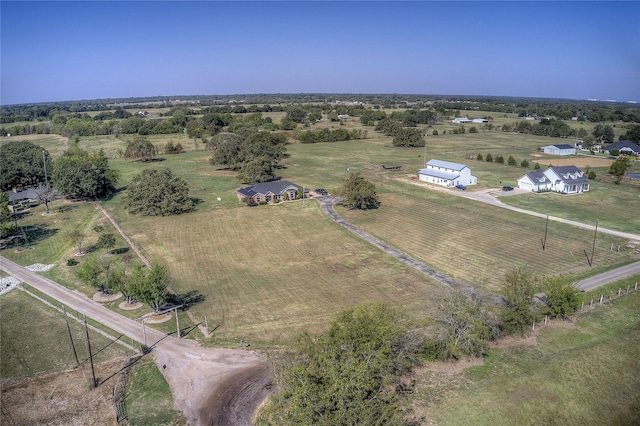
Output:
[[462, 187], [507, 188]]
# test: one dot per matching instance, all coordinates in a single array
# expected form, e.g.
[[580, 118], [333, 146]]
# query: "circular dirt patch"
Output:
[[101, 297], [126, 306]]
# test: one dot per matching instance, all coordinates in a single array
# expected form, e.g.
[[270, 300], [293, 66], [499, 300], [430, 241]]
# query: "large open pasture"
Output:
[[269, 272]]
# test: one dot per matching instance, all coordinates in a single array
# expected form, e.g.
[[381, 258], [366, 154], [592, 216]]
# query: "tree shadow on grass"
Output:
[[189, 299], [36, 233]]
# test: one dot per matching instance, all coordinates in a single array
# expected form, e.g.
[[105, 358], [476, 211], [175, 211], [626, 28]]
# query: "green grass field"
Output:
[[149, 400], [582, 372], [35, 339], [268, 272]]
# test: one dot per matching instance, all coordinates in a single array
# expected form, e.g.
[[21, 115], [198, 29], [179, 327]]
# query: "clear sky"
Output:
[[54, 51]]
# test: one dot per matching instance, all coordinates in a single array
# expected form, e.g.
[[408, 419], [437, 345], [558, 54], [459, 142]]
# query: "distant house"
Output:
[[446, 173], [480, 120], [624, 147], [562, 149], [270, 192], [463, 120], [562, 179]]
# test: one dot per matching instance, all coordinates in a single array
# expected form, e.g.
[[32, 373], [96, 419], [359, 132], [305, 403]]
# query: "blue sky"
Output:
[[54, 51]]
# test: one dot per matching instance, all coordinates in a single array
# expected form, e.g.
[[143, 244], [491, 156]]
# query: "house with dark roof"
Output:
[[535, 181], [560, 149], [446, 173], [624, 147], [562, 179], [269, 192]]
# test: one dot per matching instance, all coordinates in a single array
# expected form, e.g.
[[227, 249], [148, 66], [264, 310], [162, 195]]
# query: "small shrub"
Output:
[[500, 159], [489, 158], [591, 175], [524, 164], [72, 262], [512, 161], [479, 157], [537, 166], [434, 133]]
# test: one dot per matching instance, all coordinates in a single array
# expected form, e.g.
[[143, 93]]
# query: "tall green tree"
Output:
[[520, 311], [80, 175], [140, 148], [619, 167], [346, 376], [150, 285], [359, 193], [158, 193], [563, 298], [6, 224], [22, 165], [409, 137]]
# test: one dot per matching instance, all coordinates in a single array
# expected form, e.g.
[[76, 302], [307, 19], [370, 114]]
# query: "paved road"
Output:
[[609, 276], [488, 196], [197, 375]]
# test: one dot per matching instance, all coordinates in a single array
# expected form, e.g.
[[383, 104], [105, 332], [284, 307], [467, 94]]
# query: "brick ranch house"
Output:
[[270, 192]]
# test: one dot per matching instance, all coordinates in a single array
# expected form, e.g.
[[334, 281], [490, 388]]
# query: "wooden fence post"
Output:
[[601, 296], [591, 304], [533, 327], [619, 290]]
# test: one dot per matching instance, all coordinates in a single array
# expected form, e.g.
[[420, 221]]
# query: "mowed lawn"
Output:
[[478, 243], [269, 272]]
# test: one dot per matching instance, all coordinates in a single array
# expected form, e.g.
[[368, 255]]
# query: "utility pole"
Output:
[[93, 372], [75, 353], [44, 160], [177, 322]]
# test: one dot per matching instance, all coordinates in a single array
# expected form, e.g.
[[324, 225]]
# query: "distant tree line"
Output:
[[326, 135]]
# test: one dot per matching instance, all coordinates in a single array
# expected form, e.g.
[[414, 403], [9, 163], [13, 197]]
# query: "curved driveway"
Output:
[[197, 375], [327, 202]]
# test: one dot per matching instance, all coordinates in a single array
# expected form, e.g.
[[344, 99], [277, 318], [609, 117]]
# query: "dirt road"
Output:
[[201, 379]]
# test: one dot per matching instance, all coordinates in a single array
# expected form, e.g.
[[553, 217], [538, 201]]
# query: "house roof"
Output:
[[275, 187], [570, 174], [624, 144], [29, 193], [564, 146], [537, 177], [445, 164], [439, 174]]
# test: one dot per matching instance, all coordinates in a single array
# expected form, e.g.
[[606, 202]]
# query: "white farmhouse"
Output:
[[563, 179], [446, 173], [561, 149], [463, 120]]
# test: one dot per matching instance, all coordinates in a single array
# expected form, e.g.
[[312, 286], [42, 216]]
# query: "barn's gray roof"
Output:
[[439, 174], [446, 164]]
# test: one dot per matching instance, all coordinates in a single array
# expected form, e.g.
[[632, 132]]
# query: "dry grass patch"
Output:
[[272, 271]]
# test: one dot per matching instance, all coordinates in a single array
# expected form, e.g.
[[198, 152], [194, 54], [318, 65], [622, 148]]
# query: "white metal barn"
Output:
[[446, 173], [562, 149]]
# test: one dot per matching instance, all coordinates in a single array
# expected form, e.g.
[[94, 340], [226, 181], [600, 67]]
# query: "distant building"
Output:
[[446, 173], [480, 120], [562, 149], [624, 147], [461, 120]]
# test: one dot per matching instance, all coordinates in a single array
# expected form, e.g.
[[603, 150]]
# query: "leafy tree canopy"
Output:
[[6, 225], [22, 165], [345, 376], [158, 193], [80, 175], [520, 286], [359, 193], [619, 167], [408, 137], [150, 285], [140, 148]]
